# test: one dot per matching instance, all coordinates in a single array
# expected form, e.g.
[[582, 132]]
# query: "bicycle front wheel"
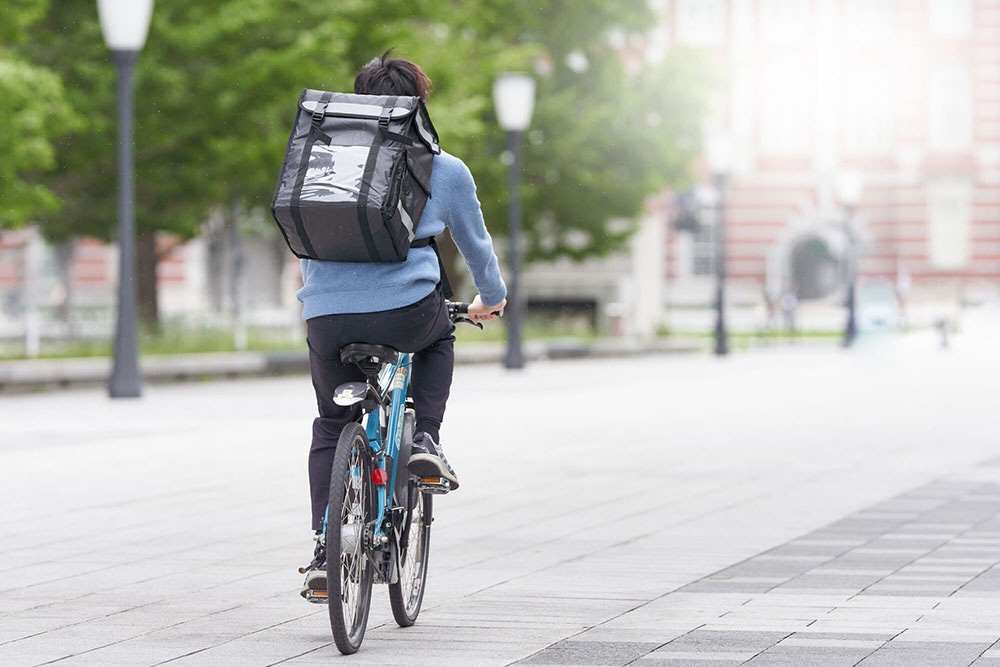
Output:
[[406, 595], [348, 542]]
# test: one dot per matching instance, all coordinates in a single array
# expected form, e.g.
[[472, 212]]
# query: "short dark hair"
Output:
[[392, 76]]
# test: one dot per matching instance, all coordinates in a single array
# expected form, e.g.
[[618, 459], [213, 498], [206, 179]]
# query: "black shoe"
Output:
[[427, 459]]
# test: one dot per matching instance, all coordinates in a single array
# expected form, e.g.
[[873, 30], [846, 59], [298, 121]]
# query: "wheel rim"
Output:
[[353, 560], [411, 572]]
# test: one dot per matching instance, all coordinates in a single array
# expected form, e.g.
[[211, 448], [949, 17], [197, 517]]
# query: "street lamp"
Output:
[[514, 98], [849, 188], [719, 156], [125, 24]]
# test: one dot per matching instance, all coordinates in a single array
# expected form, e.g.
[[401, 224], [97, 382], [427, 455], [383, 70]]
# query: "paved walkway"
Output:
[[787, 507]]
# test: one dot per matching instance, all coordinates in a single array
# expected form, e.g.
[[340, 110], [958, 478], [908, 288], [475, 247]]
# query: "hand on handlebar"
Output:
[[478, 312]]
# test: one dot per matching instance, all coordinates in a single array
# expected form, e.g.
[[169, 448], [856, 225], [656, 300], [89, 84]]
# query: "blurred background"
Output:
[[813, 169]]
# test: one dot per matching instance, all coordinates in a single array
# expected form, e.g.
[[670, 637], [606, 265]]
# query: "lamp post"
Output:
[[514, 98], [719, 156], [125, 24], [849, 188]]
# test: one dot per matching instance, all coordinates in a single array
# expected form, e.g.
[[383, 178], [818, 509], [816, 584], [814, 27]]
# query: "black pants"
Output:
[[422, 328]]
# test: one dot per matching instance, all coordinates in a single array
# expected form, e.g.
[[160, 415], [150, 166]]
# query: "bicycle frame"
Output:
[[394, 379]]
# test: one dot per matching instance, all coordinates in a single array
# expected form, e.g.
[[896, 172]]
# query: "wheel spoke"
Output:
[[353, 521]]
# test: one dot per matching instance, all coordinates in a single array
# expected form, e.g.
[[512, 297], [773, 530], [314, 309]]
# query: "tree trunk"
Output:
[[149, 308]]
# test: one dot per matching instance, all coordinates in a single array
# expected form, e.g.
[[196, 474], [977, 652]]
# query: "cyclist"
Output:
[[400, 304]]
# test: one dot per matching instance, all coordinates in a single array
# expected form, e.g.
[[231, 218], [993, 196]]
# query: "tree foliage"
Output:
[[217, 84], [33, 112]]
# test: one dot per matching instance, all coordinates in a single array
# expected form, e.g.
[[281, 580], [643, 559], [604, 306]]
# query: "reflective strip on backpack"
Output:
[[407, 220]]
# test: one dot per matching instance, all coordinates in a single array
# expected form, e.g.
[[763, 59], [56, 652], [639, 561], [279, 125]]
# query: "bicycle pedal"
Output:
[[437, 485], [316, 597]]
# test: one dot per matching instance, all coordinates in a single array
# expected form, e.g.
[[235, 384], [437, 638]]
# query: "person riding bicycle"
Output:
[[400, 304]]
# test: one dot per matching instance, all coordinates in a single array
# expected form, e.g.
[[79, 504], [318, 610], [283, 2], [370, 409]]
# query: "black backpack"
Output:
[[356, 177]]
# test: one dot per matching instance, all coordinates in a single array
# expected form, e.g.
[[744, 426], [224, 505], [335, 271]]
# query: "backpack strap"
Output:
[[443, 282], [300, 178], [366, 179]]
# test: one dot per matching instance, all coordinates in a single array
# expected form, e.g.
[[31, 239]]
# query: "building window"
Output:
[[785, 107], [950, 114], [949, 18], [868, 20], [701, 22], [784, 21], [867, 113], [949, 218]]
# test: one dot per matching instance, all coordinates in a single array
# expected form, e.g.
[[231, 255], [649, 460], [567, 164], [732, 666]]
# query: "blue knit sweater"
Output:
[[331, 288]]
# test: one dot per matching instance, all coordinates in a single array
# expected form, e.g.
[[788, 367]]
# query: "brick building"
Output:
[[905, 93]]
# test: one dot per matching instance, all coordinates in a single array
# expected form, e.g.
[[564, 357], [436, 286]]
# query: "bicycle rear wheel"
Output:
[[351, 509], [407, 594]]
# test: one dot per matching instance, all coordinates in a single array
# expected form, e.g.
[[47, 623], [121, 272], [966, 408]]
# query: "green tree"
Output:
[[33, 112]]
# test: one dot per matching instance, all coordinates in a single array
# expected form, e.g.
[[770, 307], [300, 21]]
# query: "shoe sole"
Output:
[[426, 465], [315, 589]]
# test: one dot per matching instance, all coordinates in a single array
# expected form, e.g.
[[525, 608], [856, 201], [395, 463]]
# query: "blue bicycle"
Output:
[[378, 520]]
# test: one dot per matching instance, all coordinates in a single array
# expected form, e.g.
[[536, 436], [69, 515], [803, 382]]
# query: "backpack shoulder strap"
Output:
[[444, 283]]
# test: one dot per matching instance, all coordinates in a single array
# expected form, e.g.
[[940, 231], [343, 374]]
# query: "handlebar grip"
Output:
[[459, 308]]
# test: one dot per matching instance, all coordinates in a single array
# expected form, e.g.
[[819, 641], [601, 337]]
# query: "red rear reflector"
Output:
[[380, 476]]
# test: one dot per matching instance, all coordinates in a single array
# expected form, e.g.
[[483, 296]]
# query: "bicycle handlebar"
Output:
[[457, 311], [457, 308]]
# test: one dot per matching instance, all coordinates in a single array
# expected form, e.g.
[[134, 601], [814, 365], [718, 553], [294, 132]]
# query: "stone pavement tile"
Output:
[[814, 581], [715, 641], [860, 626], [796, 659], [634, 633], [918, 657], [810, 653], [953, 635], [590, 653], [377, 655], [699, 657], [880, 637], [830, 642], [688, 661], [723, 586]]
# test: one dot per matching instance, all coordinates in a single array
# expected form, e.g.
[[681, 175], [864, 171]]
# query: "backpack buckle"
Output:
[[318, 113], [385, 117]]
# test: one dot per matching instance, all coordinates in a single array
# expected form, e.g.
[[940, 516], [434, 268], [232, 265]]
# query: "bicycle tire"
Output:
[[349, 568], [407, 594]]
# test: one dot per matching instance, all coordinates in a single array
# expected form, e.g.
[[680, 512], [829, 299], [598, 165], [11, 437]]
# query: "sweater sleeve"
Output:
[[468, 229]]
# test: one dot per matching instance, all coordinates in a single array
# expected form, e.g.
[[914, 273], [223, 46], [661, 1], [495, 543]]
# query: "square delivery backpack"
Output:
[[356, 177]]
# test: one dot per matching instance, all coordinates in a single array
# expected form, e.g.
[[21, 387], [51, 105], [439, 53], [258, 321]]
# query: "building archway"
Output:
[[815, 268]]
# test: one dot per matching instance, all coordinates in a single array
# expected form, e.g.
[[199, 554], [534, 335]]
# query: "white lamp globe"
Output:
[[720, 153], [514, 98], [850, 185], [125, 23]]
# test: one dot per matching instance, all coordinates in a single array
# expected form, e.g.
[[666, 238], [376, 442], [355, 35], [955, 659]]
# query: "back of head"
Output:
[[392, 76]]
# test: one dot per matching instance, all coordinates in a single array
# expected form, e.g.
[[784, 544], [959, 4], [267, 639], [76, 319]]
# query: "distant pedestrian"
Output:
[[789, 304]]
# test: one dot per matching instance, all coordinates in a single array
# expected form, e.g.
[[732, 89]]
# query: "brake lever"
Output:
[[468, 321]]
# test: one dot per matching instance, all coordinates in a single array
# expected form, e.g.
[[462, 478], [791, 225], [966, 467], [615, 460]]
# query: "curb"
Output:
[[47, 374]]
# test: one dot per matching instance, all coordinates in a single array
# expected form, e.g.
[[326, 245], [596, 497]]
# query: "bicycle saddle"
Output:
[[361, 352]]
